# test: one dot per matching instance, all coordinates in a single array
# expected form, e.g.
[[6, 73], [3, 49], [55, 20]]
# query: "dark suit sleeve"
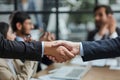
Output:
[[20, 50], [108, 48]]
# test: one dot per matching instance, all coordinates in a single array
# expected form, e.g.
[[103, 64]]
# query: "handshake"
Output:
[[61, 51]]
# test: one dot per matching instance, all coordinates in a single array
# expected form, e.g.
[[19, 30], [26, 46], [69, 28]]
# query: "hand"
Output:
[[47, 36], [28, 38], [103, 30], [73, 47], [112, 24], [59, 53]]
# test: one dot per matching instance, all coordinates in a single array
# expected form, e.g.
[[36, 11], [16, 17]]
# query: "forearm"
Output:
[[20, 50], [48, 49], [101, 49]]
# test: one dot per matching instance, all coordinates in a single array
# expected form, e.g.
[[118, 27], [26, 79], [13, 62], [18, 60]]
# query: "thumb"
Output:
[[66, 45]]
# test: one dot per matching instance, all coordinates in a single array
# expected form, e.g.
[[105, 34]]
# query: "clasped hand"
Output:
[[61, 51]]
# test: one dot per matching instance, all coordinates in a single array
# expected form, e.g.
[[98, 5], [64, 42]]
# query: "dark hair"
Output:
[[108, 9], [18, 17], [11, 16], [4, 27]]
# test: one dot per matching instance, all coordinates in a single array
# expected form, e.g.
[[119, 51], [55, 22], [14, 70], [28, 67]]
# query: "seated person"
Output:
[[105, 24], [106, 27], [14, 69], [21, 24]]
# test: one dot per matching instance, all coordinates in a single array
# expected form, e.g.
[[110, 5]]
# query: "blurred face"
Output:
[[10, 35], [100, 17], [26, 27]]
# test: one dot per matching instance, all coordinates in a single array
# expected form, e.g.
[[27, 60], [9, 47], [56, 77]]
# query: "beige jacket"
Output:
[[24, 71]]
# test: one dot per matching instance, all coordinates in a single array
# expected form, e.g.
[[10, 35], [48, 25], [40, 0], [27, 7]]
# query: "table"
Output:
[[95, 73]]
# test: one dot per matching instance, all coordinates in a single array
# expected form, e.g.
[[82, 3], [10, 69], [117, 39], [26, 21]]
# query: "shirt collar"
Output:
[[18, 38]]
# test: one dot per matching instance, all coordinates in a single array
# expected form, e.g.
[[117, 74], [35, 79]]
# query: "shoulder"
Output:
[[3, 63], [118, 31], [93, 32]]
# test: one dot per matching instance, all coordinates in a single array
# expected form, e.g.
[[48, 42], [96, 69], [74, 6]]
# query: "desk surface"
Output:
[[95, 73]]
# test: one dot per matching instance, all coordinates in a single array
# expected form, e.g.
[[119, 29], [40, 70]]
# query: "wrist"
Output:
[[47, 46], [101, 33], [77, 46], [111, 32]]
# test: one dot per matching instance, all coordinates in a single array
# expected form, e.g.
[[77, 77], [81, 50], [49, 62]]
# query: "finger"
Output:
[[69, 54], [109, 15], [30, 39], [60, 57], [52, 58], [45, 35], [56, 58], [63, 56], [53, 36], [62, 43], [57, 43], [49, 36]]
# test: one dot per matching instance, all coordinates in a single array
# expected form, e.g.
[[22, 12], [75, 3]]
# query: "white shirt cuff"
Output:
[[81, 50], [114, 35], [42, 49]]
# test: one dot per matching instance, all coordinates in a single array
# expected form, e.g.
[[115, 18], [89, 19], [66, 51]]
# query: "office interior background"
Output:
[[68, 19]]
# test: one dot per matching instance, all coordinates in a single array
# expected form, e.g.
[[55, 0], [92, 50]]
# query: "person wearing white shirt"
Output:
[[14, 69], [106, 26]]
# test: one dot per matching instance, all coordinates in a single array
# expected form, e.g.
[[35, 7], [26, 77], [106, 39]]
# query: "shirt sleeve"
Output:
[[114, 35], [81, 50], [42, 49]]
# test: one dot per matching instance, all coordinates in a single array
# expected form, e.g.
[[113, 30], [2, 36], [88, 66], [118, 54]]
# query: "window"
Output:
[[68, 19]]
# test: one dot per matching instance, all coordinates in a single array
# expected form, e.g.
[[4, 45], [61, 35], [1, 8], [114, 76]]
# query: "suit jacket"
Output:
[[23, 71], [108, 48], [20, 50], [100, 49], [93, 33], [45, 60]]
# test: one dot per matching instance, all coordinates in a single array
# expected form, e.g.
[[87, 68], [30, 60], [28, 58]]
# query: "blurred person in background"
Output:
[[106, 26], [14, 69], [22, 25]]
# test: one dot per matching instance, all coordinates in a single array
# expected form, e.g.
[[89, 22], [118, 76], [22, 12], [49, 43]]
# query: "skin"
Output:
[[10, 35], [58, 53], [104, 22], [47, 36], [24, 29], [73, 47]]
